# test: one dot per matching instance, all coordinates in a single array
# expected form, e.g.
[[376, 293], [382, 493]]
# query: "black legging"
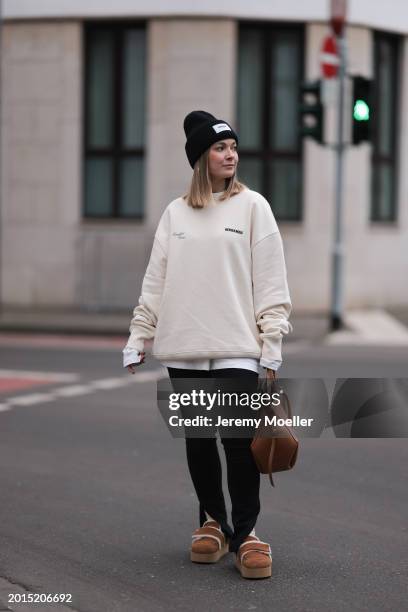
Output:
[[242, 474]]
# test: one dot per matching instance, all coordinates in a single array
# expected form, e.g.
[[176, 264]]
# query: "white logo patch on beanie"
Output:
[[221, 127]]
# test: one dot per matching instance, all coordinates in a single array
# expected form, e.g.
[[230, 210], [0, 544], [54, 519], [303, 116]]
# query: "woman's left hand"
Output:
[[270, 374]]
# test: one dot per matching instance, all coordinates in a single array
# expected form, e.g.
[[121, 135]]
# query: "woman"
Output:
[[216, 301]]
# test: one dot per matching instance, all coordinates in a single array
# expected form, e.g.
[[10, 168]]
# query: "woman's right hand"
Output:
[[132, 367]]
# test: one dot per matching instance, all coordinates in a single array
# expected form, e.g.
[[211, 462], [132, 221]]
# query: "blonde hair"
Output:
[[200, 192]]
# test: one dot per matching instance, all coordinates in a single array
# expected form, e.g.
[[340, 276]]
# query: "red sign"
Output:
[[329, 58], [338, 9]]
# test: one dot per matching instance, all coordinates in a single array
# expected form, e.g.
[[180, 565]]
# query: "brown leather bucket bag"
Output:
[[274, 447]]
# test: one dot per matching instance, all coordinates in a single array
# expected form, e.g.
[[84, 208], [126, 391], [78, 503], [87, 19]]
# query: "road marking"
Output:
[[73, 390], [17, 381], [35, 375], [9, 385], [71, 341], [30, 399], [110, 383]]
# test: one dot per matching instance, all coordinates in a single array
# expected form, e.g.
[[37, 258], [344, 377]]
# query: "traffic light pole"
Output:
[[336, 321]]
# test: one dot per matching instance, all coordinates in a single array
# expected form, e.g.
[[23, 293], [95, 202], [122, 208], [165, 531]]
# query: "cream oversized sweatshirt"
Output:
[[215, 285]]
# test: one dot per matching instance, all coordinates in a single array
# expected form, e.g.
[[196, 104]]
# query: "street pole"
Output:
[[336, 321]]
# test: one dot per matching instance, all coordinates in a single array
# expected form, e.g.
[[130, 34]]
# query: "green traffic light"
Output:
[[361, 111]]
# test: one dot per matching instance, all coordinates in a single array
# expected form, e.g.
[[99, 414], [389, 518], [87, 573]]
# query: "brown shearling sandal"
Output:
[[254, 558], [209, 543]]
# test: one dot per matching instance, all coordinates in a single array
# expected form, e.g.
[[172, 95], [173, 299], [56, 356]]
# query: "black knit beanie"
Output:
[[202, 130]]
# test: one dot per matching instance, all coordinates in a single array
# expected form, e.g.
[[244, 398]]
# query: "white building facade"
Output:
[[92, 141]]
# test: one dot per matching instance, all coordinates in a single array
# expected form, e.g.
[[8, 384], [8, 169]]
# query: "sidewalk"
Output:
[[362, 326], [306, 327]]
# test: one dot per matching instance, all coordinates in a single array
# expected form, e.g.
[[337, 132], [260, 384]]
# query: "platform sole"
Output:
[[253, 572], [209, 557]]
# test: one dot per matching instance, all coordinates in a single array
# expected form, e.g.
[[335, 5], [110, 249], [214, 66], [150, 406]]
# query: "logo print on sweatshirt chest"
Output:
[[206, 235], [234, 230]]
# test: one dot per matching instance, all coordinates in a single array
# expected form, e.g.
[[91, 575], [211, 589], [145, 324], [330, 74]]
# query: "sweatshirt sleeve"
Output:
[[145, 315], [272, 303]]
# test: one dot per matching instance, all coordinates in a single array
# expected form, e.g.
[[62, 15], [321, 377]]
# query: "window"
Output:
[[384, 180], [269, 73], [114, 137]]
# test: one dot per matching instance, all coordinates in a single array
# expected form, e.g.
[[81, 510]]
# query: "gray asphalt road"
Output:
[[96, 501]]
